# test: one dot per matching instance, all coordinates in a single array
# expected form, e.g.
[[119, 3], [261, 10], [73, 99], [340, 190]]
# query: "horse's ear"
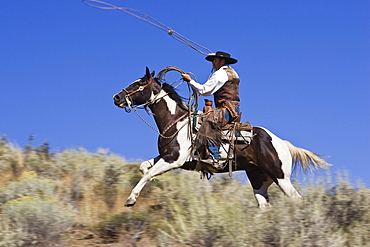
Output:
[[147, 73]]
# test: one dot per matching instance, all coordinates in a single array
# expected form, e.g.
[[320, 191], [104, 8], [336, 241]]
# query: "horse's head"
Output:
[[137, 93]]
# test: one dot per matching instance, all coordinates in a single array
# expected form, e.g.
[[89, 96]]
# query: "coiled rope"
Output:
[[191, 105], [142, 16]]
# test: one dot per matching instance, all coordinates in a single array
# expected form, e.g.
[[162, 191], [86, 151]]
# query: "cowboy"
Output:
[[224, 86]]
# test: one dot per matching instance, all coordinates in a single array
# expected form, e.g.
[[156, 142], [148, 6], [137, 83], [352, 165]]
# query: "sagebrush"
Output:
[[44, 195]]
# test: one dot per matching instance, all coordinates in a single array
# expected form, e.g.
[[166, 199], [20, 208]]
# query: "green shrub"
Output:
[[11, 158], [32, 211], [130, 225], [29, 185], [43, 220], [175, 209], [5, 151], [219, 213], [10, 233]]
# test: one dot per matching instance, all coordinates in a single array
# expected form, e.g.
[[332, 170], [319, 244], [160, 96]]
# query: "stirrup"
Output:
[[213, 162]]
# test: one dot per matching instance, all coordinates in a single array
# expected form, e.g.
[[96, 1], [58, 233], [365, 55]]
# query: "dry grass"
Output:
[[176, 209]]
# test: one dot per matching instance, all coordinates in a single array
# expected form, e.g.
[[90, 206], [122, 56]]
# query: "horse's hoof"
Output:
[[130, 203], [265, 206]]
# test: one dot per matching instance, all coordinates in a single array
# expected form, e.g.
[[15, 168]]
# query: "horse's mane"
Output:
[[170, 90]]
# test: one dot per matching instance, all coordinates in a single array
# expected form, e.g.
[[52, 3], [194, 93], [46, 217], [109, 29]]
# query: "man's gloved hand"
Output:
[[186, 77]]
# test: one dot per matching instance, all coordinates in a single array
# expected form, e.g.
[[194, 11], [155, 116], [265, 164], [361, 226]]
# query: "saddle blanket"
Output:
[[242, 136]]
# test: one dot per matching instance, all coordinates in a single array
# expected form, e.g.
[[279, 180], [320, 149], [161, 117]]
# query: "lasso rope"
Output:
[[193, 95], [142, 16], [192, 101]]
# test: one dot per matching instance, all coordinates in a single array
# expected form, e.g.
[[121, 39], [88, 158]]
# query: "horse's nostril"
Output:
[[116, 97]]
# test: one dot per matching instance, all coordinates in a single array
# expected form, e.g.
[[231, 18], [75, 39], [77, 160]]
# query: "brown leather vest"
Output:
[[230, 90]]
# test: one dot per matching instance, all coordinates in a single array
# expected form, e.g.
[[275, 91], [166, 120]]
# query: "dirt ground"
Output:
[[87, 238], [82, 237]]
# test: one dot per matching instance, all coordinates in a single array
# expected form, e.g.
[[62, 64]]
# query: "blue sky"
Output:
[[304, 69]]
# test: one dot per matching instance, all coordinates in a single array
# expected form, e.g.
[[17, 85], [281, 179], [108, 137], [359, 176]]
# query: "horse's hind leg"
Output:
[[287, 187], [284, 183], [286, 167]]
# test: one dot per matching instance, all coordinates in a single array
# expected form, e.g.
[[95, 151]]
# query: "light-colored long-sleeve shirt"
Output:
[[213, 84]]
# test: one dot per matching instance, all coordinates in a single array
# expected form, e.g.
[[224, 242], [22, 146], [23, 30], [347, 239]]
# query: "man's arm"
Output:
[[214, 83]]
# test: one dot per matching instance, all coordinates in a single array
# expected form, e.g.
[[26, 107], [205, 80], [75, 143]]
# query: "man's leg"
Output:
[[213, 148], [215, 153]]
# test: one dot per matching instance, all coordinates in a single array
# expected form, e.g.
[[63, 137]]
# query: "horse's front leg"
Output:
[[161, 166], [260, 183], [146, 165]]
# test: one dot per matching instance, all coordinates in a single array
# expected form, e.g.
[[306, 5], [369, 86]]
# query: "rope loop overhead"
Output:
[[142, 16]]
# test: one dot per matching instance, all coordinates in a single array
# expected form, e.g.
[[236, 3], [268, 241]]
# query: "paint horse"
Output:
[[266, 160]]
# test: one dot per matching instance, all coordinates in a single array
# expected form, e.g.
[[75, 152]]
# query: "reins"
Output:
[[168, 127], [161, 77]]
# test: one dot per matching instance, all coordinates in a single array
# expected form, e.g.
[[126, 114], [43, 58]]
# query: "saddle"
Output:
[[234, 133], [243, 132], [211, 127]]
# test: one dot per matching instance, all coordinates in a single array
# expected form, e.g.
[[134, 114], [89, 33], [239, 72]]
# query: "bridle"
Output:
[[149, 102], [129, 98], [160, 76], [141, 88]]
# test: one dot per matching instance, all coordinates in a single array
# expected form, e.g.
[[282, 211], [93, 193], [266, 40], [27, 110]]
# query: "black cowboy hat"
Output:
[[222, 55]]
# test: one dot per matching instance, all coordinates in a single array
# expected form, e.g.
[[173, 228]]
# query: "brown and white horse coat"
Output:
[[266, 160]]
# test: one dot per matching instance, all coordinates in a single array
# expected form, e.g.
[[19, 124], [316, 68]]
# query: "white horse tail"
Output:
[[308, 160]]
